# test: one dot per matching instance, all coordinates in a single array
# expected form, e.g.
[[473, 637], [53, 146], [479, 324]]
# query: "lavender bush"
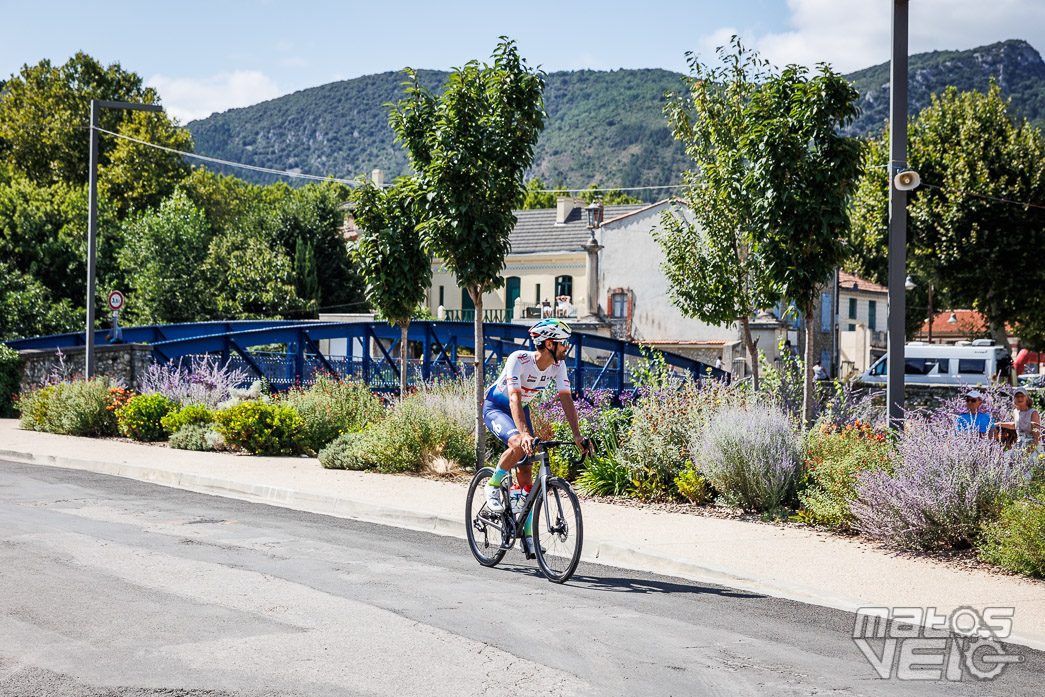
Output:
[[944, 485], [997, 401], [751, 455], [205, 381]]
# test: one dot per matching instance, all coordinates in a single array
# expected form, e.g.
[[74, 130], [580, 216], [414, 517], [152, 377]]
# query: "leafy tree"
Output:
[[164, 261], [44, 114], [712, 265], [535, 198], [137, 177], [470, 147], [40, 236], [315, 214], [253, 280], [28, 308], [976, 252], [394, 265], [306, 280], [802, 174], [610, 197], [225, 200]]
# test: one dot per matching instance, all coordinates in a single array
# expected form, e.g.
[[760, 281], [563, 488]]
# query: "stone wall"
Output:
[[124, 362]]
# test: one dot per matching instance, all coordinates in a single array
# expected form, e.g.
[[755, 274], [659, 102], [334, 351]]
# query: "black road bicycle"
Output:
[[558, 531]]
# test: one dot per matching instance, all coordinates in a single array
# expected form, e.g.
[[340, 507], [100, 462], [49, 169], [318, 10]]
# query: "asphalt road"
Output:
[[119, 588]]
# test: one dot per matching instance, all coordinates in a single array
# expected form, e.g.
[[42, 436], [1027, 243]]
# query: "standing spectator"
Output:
[[115, 335], [718, 363], [974, 419]]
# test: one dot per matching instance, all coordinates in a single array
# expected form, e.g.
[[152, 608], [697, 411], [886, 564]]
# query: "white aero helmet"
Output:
[[550, 328]]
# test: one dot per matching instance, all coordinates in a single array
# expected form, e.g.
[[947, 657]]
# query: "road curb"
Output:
[[606, 553]]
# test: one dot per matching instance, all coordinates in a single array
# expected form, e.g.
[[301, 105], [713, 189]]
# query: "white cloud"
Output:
[[855, 34], [188, 99]]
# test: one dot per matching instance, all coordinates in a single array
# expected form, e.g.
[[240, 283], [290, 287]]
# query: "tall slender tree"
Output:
[[396, 269], [713, 268], [470, 147], [803, 174]]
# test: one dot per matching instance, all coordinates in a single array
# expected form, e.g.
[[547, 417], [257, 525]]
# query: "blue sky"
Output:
[[211, 56]]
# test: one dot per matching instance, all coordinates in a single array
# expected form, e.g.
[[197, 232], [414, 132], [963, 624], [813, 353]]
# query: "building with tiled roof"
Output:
[[605, 277]]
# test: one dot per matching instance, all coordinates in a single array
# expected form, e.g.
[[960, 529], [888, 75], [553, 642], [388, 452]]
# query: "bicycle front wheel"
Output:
[[486, 529], [558, 531]]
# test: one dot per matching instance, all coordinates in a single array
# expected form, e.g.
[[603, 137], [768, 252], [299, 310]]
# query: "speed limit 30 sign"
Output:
[[115, 301]]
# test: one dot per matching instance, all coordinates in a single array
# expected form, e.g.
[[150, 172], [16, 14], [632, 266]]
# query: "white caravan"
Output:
[[942, 364]]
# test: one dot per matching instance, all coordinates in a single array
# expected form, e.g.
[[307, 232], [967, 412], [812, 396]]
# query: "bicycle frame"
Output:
[[544, 473]]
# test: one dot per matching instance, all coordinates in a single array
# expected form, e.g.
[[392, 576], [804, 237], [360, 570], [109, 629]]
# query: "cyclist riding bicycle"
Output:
[[507, 415]]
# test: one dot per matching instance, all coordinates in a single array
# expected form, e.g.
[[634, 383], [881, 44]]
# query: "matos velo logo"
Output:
[[914, 643]]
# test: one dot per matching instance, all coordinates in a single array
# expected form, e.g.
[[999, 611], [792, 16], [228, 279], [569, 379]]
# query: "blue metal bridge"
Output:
[[369, 351]]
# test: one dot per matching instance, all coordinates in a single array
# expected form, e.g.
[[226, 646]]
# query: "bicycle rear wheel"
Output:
[[486, 529], [558, 538]]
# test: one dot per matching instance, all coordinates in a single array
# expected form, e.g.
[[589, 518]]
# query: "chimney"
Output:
[[378, 176], [565, 206]]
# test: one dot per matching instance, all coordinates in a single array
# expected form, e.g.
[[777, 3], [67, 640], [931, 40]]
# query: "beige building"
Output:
[[862, 315]]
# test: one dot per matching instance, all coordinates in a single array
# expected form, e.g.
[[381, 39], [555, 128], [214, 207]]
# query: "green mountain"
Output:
[[1015, 65], [603, 127]]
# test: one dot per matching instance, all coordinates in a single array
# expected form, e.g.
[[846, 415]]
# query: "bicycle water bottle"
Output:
[[517, 497]]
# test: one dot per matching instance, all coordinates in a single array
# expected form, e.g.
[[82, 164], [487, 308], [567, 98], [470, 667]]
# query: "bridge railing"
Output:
[[495, 315]]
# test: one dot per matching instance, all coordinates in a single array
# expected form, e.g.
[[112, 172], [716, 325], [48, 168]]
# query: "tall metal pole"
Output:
[[931, 316], [894, 395], [92, 237], [92, 218]]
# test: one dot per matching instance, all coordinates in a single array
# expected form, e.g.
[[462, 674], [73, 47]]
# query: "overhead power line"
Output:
[[984, 196], [228, 163]]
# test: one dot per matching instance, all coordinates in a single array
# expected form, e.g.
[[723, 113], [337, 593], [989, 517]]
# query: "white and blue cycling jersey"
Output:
[[521, 375]]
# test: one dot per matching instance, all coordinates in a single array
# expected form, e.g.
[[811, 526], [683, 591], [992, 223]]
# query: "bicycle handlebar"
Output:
[[537, 443]]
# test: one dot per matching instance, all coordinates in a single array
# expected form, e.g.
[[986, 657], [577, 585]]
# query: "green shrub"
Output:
[[262, 428], [835, 461], [605, 477], [664, 424], [192, 415], [750, 455], [193, 437], [350, 451], [77, 408], [33, 406], [10, 380], [141, 417], [1016, 541], [693, 487], [330, 407], [417, 430]]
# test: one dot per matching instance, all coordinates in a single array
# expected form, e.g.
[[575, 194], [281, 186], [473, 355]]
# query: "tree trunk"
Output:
[[808, 393], [403, 356], [480, 379], [752, 350]]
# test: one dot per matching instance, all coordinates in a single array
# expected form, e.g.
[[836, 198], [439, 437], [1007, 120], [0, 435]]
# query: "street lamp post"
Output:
[[92, 218], [894, 396], [911, 285]]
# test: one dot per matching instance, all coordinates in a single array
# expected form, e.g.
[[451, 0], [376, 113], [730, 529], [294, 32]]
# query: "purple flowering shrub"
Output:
[[750, 453], [997, 401], [205, 381], [597, 417], [943, 486]]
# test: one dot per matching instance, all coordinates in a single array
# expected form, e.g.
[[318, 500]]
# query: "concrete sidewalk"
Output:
[[788, 562]]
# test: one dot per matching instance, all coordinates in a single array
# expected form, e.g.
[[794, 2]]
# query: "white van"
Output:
[[966, 363]]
